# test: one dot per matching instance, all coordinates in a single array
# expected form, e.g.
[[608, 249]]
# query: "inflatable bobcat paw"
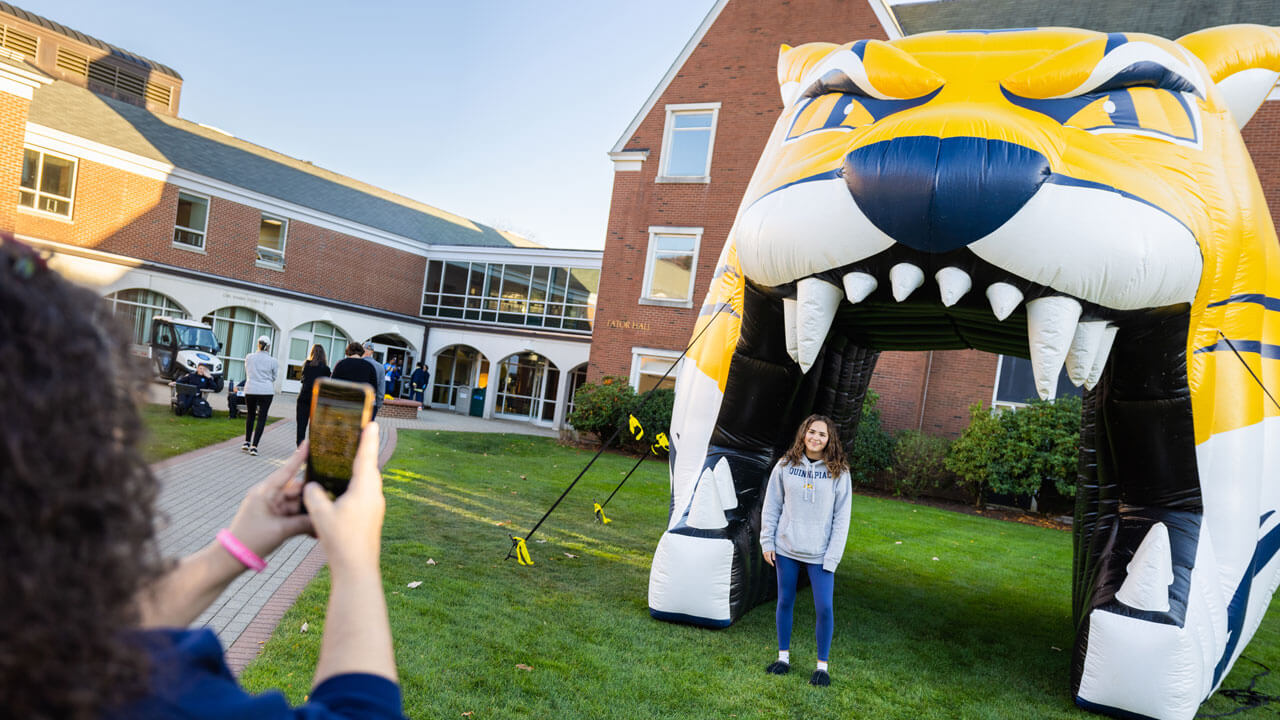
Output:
[[1081, 199]]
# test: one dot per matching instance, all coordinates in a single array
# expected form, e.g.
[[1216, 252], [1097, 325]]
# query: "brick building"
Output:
[[165, 216], [683, 164]]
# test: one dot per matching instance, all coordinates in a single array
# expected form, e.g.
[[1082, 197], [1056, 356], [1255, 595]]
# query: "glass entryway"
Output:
[[526, 390]]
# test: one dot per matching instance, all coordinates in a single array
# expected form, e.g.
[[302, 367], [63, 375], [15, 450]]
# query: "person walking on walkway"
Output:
[[312, 369], [380, 387], [259, 388], [111, 639], [419, 382], [804, 526]]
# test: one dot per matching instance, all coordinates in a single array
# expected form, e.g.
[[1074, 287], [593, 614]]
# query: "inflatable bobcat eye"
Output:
[[855, 86], [1116, 85]]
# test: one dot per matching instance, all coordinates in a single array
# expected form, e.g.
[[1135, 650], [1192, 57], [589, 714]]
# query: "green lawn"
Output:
[[939, 614], [169, 435]]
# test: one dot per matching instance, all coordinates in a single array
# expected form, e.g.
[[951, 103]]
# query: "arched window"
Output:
[[237, 328], [136, 307], [526, 389], [457, 366], [577, 378], [321, 333]]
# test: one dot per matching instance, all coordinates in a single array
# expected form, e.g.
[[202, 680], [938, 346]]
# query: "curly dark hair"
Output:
[[76, 519], [833, 455]]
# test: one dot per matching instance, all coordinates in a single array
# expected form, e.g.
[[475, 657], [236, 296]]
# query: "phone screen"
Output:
[[339, 411]]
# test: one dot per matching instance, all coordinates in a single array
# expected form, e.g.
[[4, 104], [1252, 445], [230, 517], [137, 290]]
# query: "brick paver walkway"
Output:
[[199, 494]]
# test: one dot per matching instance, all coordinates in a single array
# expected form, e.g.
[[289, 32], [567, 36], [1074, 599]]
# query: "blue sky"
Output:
[[499, 110]]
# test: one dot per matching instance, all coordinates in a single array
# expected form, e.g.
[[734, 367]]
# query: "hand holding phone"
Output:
[[339, 411]]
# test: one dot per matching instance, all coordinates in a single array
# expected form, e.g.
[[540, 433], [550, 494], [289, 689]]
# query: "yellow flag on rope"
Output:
[[522, 551], [637, 431], [600, 515], [660, 441]]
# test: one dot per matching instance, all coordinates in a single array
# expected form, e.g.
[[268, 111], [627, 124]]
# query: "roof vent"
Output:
[[18, 41]]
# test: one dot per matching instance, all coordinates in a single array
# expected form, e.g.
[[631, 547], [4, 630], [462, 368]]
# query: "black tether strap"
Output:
[[517, 542], [1246, 367]]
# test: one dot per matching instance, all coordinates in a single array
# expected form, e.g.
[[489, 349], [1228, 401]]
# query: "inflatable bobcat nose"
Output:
[[1081, 199]]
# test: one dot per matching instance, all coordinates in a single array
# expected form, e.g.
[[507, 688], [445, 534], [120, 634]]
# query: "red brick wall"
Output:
[[119, 212], [13, 124], [1260, 135], [735, 65]]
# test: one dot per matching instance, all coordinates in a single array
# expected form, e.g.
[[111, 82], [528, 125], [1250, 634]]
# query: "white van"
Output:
[[180, 346]]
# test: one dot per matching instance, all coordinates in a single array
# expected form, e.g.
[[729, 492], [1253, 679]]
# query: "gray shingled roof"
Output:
[[208, 152], [114, 50], [1167, 18]]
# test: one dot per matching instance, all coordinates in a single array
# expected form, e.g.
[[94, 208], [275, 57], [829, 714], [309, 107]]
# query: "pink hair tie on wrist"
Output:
[[238, 551]]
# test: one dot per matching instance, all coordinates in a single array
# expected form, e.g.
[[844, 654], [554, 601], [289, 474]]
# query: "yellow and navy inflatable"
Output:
[[1079, 198]]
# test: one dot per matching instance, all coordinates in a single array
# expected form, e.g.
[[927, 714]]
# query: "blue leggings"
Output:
[[824, 584]]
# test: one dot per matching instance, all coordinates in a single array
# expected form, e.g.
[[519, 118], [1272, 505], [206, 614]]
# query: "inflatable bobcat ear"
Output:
[[870, 67], [1244, 62]]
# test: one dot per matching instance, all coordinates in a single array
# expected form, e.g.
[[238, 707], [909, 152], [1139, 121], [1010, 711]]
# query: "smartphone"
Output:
[[339, 412]]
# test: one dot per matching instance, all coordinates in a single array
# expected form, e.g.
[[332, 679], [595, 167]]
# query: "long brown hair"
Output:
[[833, 454], [316, 358], [77, 525]]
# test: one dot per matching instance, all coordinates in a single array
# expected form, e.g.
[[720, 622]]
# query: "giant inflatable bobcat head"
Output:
[[1078, 198]]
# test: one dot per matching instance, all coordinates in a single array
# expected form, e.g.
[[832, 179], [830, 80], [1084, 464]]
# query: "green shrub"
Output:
[[917, 462], [598, 408], [872, 449], [605, 408], [1041, 444], [1018, 451], [653, 410]]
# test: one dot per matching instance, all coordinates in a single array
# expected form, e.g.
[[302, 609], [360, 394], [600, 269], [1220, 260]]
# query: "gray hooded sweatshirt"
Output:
[[806, 513]]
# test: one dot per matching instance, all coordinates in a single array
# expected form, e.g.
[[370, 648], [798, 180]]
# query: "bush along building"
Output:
[[682, 166], [167, 217]]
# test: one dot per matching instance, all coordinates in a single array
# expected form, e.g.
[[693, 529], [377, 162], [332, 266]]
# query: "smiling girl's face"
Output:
[[815, 439]]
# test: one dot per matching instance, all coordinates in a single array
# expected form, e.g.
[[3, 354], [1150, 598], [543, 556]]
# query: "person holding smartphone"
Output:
[[804, 526], [96, 622]]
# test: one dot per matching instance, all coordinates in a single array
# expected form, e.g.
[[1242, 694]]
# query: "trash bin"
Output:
[[462, 405], [477, 402]]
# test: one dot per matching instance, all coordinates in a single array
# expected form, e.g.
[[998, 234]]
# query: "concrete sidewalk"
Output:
[[199, 494]]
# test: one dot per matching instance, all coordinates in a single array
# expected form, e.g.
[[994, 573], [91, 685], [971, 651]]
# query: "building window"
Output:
[[668, 270], [653, 368], [577, 378], [457, 366], [559, 298], [192, 220], [48, 182], [238, 329], [136, 307], [1016, 384], [271, 239], [687, 142], [527, 385]]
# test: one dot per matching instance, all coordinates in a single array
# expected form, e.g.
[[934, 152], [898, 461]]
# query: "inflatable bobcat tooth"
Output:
[[1004, 299], [1106, 169], [905, 279]]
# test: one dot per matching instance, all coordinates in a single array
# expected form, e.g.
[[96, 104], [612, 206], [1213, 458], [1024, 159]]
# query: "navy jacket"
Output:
[[190, 679]]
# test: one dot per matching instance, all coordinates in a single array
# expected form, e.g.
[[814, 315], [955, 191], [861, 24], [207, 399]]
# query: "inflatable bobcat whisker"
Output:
[[1078, 198]]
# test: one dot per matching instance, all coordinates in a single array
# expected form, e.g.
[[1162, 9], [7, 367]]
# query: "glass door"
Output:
[[299, 346]]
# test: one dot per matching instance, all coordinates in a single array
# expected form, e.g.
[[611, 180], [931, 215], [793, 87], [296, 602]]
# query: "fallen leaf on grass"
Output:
[[468, 713], [539, 540], [570, 555], [303, 628], [1055, 647], [431, 561], [935, 557], [501, 523], [416, 583], [524, 477], [522, 666], [898, 543]]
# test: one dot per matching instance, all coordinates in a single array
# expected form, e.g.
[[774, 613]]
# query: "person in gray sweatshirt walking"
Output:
[[259, 389], [804, 526]]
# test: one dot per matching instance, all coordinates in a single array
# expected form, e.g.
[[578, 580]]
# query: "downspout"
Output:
[[924, 392]]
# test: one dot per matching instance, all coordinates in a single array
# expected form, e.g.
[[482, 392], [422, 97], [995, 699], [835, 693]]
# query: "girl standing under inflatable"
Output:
[[804, 526]]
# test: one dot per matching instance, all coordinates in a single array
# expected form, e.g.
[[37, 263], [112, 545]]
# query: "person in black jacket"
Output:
[[314, 367], [418, 380], [355, 368], [202, 379]]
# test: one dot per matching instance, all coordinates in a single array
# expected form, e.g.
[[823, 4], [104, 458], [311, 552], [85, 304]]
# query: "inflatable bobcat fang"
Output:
[[1081, 199]]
